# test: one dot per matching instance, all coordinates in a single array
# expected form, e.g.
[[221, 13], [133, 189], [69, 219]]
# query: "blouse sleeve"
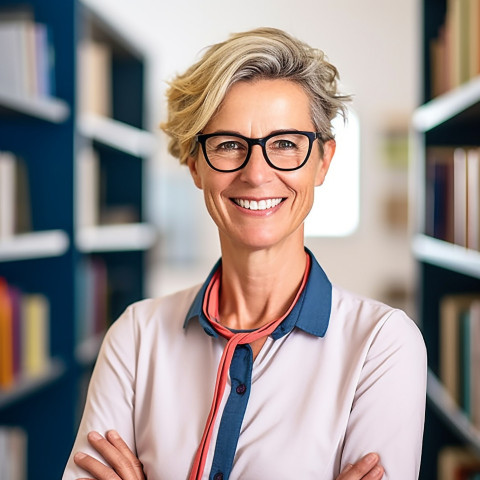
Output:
[[389, 406], [111, 393]]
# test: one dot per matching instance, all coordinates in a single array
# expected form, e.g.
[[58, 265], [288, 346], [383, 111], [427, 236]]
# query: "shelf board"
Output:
[[86, 351], [45, 108], [109, 238], [442, 401], [118, 135], [29, 386], [446, 255], [49, 243], [447, 106]]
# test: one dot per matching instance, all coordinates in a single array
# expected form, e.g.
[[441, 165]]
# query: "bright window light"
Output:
[[335, 212]]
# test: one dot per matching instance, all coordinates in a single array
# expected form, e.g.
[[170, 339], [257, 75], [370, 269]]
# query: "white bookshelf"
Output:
[[27, 386], [109, 238], [451, 413], [118, 135], [446, 255], [51, 243], [45, 108], [446, 106]]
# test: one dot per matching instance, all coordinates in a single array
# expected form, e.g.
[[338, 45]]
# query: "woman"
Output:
[[267, 370]]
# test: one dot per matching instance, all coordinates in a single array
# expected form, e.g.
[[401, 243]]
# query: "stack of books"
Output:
[[26, 56], [455, 52], [15, 208], [24, 335], [453, 195], [13, 453]]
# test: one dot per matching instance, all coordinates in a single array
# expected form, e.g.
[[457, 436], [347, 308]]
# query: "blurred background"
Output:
[[95, 214]]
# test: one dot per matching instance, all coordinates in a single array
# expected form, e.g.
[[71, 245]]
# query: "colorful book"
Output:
[[36, 334], [6, 338]]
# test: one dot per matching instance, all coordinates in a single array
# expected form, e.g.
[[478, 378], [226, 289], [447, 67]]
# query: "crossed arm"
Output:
[[124, 465]]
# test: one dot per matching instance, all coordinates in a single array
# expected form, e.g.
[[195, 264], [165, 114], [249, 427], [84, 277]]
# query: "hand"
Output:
[[124, 464], [367, 468]]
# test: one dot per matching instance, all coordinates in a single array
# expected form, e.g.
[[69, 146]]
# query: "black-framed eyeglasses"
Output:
[[229, 152]]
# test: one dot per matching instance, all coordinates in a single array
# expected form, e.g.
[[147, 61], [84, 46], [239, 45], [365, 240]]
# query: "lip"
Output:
[[259, 212]]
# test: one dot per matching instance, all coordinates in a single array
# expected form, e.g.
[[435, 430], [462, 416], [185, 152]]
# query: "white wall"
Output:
[[375, 46]]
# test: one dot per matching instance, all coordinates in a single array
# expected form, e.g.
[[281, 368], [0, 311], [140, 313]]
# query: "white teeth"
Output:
[[260, 205]]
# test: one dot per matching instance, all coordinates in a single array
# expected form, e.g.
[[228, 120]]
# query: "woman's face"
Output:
[[256, 109]]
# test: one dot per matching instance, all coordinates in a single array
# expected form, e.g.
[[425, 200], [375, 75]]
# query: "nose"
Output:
[[257, 171]]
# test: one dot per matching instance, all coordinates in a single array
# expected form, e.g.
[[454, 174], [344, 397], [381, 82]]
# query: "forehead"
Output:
[[262, 105]]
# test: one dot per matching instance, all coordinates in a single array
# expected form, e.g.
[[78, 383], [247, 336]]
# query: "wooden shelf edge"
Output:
[[118, 135], [45, 108], [443, 403], [49, 243], [447, 255], [105, 238], [26, 387], [446, 106]]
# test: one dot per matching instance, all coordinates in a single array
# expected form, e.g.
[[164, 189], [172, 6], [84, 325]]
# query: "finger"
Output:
[[375, 474], [117, 441], [94, 467], [124, 467], [359, 470]]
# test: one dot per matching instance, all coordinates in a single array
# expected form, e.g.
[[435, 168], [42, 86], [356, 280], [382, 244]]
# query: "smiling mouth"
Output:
[[257, 205]]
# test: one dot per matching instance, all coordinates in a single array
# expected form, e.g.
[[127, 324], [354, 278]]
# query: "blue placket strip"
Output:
[[233, 413]]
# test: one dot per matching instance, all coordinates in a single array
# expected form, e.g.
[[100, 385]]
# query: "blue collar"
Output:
[[311, 313]]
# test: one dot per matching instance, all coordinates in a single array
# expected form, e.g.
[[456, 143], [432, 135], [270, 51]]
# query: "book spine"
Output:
[[473, 199]]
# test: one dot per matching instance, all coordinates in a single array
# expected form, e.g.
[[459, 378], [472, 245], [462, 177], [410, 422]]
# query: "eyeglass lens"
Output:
[[285, 151]]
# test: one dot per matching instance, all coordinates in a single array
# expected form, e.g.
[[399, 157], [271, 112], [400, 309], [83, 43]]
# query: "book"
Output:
[[457, 463], [36, 335], [7, 194], [460, 196], [453, 310], [473, 198], [455, 52], [26, 56], [474, 40], [439, 221], [6, 338], [87, 187], [93, 317], [14, 73], [94, 81], [475, 363], [15, 213], [13, 453]]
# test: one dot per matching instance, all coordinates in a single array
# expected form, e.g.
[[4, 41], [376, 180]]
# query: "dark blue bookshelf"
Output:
[[451, 119], [46, 133]]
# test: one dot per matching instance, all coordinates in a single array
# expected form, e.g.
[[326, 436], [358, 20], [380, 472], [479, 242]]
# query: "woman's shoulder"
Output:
[[366, 314], [163, 312]]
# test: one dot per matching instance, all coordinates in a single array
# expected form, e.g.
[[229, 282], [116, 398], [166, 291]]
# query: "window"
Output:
[[336, 209]]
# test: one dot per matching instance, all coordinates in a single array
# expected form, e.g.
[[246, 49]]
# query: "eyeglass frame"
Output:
[[201, 138]]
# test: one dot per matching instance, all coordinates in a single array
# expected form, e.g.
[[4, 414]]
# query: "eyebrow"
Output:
[[273, 132]]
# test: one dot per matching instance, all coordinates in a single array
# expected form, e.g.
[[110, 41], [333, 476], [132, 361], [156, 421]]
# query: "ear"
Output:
[[328, 152], [192, 166]]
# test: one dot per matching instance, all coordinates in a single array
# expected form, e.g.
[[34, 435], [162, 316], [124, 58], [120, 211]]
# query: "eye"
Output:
[[284, 144], [229, 145]]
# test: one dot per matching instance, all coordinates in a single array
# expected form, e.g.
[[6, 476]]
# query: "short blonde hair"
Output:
[[263, 53]]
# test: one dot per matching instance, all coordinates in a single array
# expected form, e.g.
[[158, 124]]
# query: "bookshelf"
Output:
[[83, 242], [444, 134]]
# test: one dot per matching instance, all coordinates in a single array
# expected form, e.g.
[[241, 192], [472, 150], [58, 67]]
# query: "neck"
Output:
[[258, 286]]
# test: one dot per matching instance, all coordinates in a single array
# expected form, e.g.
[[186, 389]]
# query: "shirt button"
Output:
[[218, 476], [241, 389]]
